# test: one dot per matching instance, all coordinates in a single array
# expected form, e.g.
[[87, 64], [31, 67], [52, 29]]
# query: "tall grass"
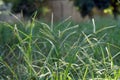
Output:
[[59, 52]]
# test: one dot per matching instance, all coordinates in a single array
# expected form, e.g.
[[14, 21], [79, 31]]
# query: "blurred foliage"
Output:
[[7, 36], [27, 7], [86, 6]]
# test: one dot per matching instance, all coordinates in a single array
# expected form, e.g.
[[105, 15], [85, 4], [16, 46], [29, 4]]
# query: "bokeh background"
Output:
[[61, 9]]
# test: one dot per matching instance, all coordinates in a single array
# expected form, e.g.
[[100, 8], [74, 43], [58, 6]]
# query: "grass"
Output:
[[63, 51]]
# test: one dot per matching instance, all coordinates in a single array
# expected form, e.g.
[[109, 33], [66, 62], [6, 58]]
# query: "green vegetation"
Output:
[[64, 51]]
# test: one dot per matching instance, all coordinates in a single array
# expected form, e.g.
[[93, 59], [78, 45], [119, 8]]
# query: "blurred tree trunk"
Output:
[[63, 9]]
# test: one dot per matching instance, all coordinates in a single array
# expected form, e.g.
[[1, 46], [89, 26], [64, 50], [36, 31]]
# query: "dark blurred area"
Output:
[[27, 7], [86, 6], [61, 9]]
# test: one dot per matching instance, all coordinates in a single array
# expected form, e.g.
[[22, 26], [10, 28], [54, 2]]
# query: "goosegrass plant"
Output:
[[58, 52]]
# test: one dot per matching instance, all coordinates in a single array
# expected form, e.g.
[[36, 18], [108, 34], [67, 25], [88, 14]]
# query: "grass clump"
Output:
[[58, 52]]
